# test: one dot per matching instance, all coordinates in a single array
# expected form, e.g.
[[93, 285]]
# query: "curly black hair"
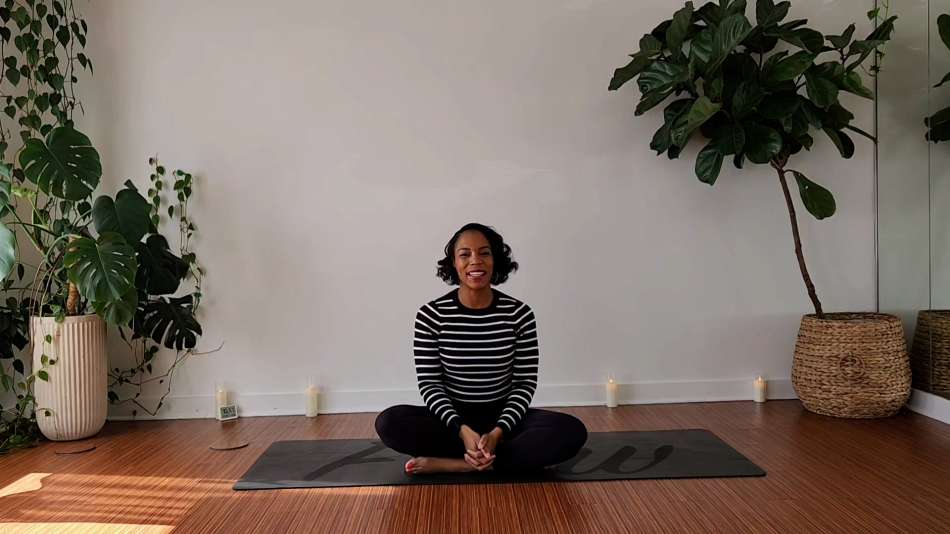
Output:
[[500, 251]]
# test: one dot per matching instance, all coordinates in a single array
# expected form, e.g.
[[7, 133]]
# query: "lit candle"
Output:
[[611, 393], [313, 401], [760, 388]]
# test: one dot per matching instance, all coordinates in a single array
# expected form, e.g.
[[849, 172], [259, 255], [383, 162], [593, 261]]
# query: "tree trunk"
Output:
[[72, 300], [798, 243]]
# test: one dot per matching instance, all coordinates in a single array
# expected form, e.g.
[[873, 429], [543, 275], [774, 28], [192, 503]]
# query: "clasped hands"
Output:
[[480, 449]]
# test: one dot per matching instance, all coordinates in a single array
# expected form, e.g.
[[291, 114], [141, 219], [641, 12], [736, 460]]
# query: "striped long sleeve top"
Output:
[[465, 355]]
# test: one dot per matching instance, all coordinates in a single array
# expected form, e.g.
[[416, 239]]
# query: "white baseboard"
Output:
[[352, 401], [931, 405]]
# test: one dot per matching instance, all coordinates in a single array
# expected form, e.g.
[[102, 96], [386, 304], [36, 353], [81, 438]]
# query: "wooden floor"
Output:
[[824, 475]]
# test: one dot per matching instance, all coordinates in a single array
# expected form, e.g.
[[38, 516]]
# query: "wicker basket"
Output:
[[930, 352], [852, 365]]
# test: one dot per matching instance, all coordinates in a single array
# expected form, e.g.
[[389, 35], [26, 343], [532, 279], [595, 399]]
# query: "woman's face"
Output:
[[473, 260]]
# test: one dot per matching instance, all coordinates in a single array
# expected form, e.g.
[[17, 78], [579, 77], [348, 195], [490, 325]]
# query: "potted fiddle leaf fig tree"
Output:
[[759, 93], [74, 261]]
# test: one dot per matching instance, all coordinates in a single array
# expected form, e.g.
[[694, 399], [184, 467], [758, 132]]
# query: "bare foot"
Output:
[[424, 465]]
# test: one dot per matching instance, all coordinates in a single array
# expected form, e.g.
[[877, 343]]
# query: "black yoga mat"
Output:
[[694, 453]]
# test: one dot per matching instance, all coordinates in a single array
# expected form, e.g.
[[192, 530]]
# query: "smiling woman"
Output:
[[476, 357]]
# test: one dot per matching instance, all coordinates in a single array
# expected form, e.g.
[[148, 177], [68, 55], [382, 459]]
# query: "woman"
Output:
[[476, 358]]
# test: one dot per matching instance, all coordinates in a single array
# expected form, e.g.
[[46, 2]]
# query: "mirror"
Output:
[[914, 188]]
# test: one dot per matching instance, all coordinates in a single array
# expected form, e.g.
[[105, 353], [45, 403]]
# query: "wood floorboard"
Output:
[[824, 475]]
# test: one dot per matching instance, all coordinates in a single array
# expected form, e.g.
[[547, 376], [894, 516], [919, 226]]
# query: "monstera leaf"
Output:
[[128, 215], [170, 322], [103, 270], [160, 272], [65, 166], [118, 312]]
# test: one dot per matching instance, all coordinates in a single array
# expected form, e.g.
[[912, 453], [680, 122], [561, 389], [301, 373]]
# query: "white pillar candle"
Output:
[[760, 388], [611, 393], [313, 401], [220, 397]]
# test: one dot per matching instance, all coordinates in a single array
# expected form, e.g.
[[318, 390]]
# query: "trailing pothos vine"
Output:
[[140, 336]]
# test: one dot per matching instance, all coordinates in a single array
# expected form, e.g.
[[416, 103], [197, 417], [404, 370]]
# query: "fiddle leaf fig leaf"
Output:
[[678, 29], [943, 26], [791, 67], [817, 200], [768, 13], [732, 31], [701, 111], [709, 164], [762, 143], [821, 91], [628, 72]]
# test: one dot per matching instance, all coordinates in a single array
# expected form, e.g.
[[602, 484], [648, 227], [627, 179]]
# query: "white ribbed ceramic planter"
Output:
[[76, 393]]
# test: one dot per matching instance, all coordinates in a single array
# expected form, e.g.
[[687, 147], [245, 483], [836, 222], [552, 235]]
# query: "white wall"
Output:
[[903, 171], [339, 144]]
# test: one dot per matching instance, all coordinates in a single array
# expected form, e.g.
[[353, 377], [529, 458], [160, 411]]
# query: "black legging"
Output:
[[543, 438]]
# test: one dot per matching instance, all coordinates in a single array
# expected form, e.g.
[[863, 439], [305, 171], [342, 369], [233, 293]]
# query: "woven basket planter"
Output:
[[930, 352], [852, 365]]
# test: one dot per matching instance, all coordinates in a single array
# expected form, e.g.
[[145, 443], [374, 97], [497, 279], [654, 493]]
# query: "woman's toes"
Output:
[[417, 465]]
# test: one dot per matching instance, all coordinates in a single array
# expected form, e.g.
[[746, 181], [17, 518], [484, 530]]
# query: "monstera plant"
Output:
[[755, 93], [67, 248]]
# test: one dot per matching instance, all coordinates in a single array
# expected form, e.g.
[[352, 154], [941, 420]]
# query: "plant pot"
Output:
[[76, 393], [930, 352], [852, 365]]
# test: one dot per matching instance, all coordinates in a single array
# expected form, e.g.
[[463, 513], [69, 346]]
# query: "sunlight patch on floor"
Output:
[[30, 482], [88, 500], [112, 504], [82, 528]]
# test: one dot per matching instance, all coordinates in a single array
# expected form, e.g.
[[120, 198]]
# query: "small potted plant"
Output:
[[755, 102]]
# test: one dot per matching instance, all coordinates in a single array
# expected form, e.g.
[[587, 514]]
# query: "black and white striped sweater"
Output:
[[465, 355]]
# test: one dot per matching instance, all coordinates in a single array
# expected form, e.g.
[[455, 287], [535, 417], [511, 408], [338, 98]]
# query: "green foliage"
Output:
[[747, 96], [758, 92], [103, 269], [127, 215], [7, 251], [65, 166], [938, 124], [160, 271], [817, 199], [171, 321], [119, 310], [112, 249]]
